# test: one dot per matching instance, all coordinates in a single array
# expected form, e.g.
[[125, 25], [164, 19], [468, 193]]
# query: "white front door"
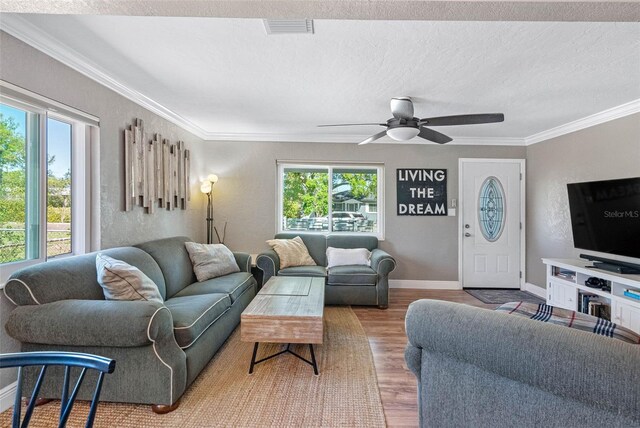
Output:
[[491, 229]]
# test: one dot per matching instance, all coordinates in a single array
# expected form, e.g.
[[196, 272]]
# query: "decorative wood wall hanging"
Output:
[[156, 171]]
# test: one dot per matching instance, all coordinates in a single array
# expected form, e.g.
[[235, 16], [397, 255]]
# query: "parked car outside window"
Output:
[[347, 215]]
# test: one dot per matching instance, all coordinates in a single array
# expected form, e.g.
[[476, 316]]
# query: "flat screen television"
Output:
[[605, 216]]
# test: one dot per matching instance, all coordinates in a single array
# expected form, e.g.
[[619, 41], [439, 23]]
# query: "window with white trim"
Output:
[[327, 198], [44, 175]]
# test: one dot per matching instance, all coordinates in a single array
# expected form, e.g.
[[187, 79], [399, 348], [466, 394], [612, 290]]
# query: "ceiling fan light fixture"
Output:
[[403, 133]]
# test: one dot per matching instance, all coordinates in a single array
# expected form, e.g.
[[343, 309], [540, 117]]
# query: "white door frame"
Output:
[[461, 208]]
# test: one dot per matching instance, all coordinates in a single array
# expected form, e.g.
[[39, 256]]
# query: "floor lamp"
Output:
[[207, 189]]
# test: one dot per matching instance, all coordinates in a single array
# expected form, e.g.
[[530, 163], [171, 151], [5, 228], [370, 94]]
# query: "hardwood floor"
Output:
[[387, 338]]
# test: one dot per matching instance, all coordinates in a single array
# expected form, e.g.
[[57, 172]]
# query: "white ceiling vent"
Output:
[[288, 26]]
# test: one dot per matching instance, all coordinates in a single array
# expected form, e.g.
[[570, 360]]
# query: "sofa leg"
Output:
[[39, 401], [162, 409], [383, 306]]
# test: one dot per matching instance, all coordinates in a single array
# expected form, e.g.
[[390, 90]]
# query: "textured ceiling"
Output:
[[229, 78]]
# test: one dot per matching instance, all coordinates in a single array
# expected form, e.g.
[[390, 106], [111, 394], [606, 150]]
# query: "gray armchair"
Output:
[[477, 367]]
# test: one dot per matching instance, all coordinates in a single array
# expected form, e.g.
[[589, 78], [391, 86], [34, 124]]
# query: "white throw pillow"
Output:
[[348, 256], [121, 281], [291, 252], [211, 260]]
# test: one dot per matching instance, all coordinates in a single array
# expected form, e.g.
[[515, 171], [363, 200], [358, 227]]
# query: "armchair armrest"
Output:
[[382, 262], [90, 323], [244, 261], [413, 358], [269, 262], [555, 359]]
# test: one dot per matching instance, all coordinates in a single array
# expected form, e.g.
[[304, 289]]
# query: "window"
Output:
[[19, 184], [330, 198], [491, 209], [44, 173], [59, 137]]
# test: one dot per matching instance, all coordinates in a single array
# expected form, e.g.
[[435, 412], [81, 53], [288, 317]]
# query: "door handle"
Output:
[[467, 234]]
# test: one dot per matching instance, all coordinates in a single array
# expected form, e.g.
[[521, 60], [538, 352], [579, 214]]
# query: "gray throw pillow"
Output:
[[211, 260], [121, 281]]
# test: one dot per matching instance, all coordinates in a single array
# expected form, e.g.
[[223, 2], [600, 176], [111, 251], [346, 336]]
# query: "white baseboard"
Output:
[[421, 284], [534, 289], [7, 396]]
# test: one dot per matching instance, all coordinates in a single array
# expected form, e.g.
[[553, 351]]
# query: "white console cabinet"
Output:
[[566, 285]]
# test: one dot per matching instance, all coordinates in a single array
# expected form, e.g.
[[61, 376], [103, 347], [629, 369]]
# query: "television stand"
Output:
[[619, 300], [612, 265]]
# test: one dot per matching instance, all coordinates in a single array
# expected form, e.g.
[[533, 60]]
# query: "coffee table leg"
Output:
[[253, 357], [313, 360]]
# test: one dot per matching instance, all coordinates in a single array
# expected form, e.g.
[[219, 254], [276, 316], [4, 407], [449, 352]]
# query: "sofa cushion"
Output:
[[352, 241], [291, 252], [571, 319], [352, 275], [233, 284], [193, 315], [316, 244], [315, 271], [121, 281], [32, 284], [211, 260], [173, 259]]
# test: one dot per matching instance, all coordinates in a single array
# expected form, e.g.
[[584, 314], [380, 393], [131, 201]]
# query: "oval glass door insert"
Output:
[[491, 207]]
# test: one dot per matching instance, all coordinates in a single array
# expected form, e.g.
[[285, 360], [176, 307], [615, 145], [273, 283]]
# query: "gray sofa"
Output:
[[159, 349], [479, 368], [345, 285]]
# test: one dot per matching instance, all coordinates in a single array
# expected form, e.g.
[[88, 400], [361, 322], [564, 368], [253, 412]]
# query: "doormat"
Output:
[[499, 296]]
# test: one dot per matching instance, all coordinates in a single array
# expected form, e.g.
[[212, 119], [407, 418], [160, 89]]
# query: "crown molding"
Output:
[[623, 110], [33, 36]]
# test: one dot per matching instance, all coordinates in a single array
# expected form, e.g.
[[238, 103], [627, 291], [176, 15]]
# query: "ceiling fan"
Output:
[[403, 126]]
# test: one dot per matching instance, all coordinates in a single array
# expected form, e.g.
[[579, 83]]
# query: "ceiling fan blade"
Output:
[[353, 124], [373, 138], [402, 108], [435, 136], [463, 119]]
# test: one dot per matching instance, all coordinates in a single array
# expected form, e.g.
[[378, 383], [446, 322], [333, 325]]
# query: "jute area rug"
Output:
[[281, 392]]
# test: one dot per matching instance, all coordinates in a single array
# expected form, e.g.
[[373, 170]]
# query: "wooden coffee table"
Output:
[[287, 309]]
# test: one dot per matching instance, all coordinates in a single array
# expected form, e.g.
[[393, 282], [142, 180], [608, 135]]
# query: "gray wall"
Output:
[[27, 67], [426, 248], [607, 151]]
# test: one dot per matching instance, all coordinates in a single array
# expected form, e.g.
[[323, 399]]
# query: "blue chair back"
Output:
[[66, 359]]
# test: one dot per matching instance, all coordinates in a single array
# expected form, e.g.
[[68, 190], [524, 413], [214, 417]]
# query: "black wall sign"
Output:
[[422, 191]]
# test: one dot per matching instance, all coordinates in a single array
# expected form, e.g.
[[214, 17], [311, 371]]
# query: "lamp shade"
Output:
[[205, 187], [403, 133], [212, 178]]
